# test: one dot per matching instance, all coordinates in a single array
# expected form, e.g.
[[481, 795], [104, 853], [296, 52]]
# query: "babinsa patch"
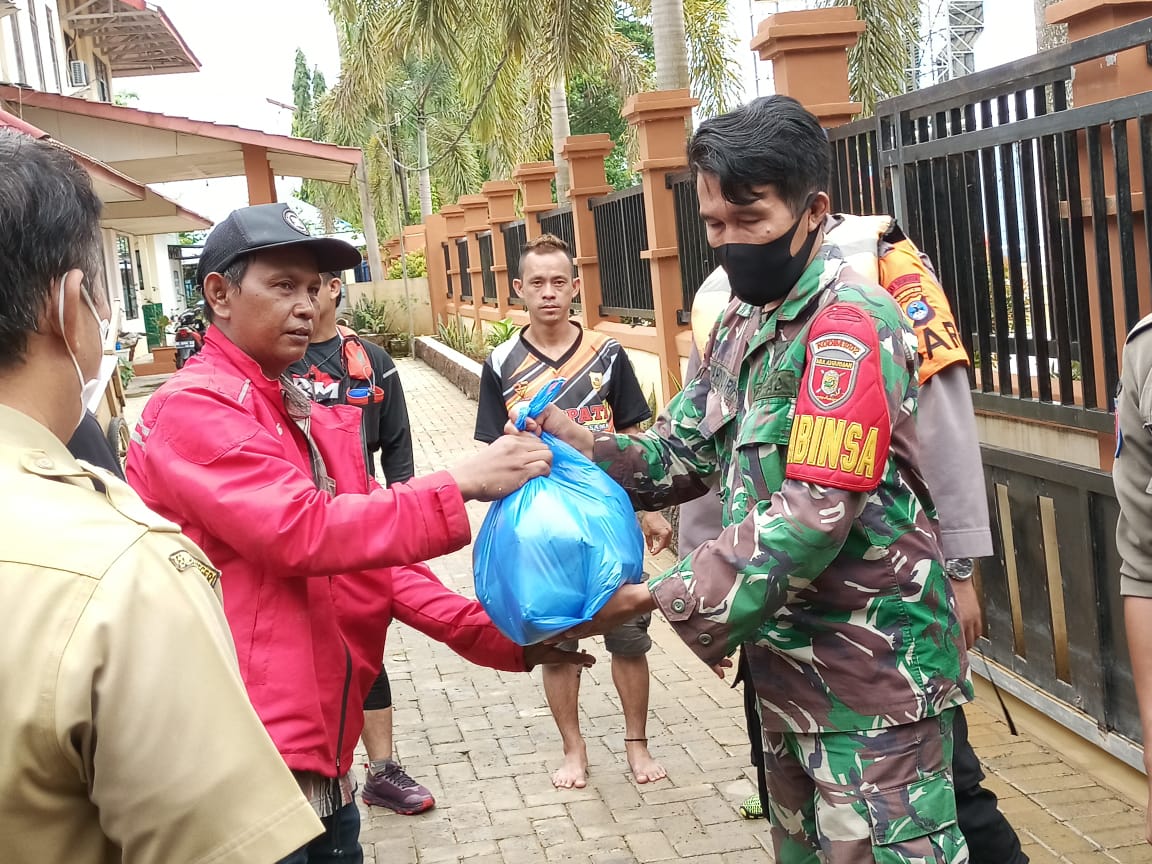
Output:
[[184, 561], [834, 368]]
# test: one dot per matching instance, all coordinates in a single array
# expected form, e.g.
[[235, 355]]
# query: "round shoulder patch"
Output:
[[294, 221]]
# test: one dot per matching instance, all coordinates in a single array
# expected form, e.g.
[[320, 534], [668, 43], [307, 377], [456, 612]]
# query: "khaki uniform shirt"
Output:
[[1132, 468], [125, 730]]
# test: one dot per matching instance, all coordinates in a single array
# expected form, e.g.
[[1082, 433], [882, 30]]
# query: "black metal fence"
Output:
[[487, 276], [1025, 203], [1009, 190], [515, 237], [559, 222], [448, 267], [465, 276], [1051, 593], [697, 258], [621, 235]]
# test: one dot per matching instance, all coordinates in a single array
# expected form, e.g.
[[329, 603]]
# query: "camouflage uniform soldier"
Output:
[[829, 564]]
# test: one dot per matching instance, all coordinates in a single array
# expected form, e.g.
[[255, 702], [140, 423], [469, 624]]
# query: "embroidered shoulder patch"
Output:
[[842, 430], [184, 561]]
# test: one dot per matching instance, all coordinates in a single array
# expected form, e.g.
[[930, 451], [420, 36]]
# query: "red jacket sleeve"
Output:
[[424, 603], [210, 465]]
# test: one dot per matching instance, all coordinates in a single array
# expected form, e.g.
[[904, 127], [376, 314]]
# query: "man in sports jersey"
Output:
[[339, 368], [602, 395]]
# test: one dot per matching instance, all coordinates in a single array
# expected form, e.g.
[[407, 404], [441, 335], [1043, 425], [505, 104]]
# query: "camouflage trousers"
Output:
[[882, 796]]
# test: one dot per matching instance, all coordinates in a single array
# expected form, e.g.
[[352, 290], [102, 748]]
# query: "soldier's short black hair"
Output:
[[771, 141], [49, 224]]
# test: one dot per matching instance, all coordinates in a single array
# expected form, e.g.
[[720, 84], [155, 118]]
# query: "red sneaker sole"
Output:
[[373, 801]]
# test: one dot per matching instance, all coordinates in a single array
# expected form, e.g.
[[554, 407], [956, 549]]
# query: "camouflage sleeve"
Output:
[[723, 592], [670, 462]]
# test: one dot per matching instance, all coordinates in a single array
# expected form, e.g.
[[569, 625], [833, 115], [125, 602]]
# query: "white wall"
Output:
[[47, 18]]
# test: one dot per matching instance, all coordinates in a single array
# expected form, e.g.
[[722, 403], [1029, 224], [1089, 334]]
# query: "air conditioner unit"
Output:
[[78, 73]]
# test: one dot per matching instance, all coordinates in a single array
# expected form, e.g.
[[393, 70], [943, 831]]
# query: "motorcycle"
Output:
[[190, 327]]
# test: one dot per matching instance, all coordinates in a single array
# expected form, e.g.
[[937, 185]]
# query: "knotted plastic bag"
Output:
[[551, 554]]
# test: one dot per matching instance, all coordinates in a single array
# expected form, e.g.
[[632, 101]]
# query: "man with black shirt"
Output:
[[601, 393], [340, 368]]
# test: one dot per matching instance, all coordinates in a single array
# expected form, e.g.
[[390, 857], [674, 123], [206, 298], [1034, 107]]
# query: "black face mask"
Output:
[[762, 273]]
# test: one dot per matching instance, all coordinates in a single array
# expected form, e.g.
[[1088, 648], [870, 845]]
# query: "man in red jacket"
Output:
[[316, 558]]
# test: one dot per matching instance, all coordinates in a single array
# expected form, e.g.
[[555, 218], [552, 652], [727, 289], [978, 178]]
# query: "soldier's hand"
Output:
[[558, 424], [628, 602], [657, 531], [550, 655], [719, 668], [968, 611], [502, 467]]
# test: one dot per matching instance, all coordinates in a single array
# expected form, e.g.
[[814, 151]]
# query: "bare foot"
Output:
[[644, 768], [573, 773]]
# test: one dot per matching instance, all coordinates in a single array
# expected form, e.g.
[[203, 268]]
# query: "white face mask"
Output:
[[88, 387]]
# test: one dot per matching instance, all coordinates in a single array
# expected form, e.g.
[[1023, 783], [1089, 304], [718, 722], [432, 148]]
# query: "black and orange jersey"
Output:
[[600, 391]]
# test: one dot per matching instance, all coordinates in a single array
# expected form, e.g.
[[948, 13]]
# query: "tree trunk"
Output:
[[425, 179], [561, 129], [1048, 36], [670, 44], [402, 179]]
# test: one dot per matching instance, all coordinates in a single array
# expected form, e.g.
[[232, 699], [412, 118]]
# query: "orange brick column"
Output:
[[475, 221], [585, 155], [501, 195], [435, 235], [1122, 74], [661, 123], [809, 54], [454, 218], [535, 179]]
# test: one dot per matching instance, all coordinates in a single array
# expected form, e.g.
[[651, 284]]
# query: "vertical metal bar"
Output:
[[1146, 177], [959, 272], [1021, 350], [875, 174], [853, 178], [1037, 246], [1057, 296], [1124, 224], [1100, 236], [999, 294], [1078, 267], [860, 142], [976, 245]]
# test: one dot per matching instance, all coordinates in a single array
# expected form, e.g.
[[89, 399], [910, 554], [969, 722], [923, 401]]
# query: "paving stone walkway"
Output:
[[485, 743]]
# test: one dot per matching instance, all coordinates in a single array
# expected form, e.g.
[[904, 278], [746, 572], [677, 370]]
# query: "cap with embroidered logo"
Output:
[[269, 226]]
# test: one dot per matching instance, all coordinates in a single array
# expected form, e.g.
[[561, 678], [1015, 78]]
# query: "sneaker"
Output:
[[394, 789], [752, 808]]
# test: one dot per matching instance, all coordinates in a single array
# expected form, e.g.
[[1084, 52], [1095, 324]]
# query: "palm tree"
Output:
[[879, 64], [514, 59]]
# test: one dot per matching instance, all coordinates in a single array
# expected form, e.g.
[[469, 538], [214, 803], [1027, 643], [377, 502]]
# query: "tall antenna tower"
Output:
[[948, 48]]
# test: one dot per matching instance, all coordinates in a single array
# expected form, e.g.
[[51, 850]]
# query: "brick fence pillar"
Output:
[[661, 123], [585, 155], [535, 179], [809, 54], [501, 195], [454, 218], [475, 222]]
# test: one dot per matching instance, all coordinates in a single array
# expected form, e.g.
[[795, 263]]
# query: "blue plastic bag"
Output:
[[551, 554]]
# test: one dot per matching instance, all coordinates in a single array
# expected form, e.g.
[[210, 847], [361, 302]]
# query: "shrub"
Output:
[[417, 265], [501, 332], [371, 316]]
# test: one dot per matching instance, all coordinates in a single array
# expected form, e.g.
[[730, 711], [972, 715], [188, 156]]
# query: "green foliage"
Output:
[[192, 238], [126, 370], [417, 266], [464, 339], [878, 65], [501, 332], [370, 315]]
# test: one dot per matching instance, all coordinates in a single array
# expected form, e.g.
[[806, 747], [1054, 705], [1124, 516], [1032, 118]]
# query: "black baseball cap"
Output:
[[269, 226]]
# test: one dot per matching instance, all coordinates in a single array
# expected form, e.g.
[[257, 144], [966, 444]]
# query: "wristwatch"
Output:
[[959, 569]]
